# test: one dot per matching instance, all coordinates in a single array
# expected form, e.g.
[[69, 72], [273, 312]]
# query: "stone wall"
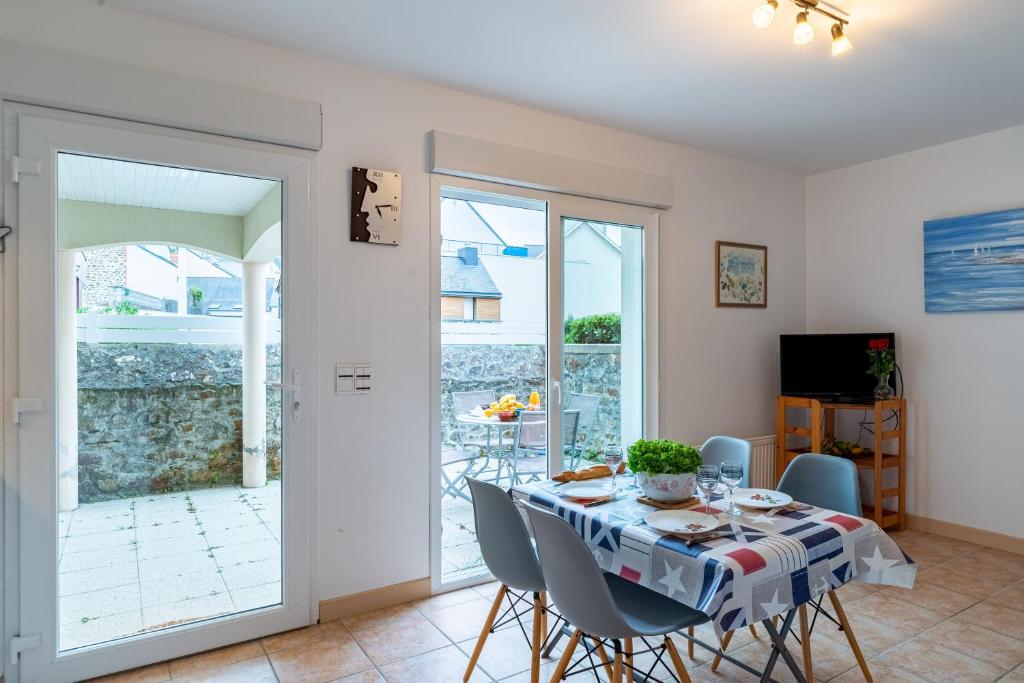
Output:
[[106, 268], [165, 417], [519, 368]]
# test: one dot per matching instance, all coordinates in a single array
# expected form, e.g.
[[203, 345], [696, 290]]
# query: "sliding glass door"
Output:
[[543, 356]]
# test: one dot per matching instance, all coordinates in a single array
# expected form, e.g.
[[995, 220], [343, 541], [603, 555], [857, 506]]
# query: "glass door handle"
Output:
[[556, 389], [294, 389]]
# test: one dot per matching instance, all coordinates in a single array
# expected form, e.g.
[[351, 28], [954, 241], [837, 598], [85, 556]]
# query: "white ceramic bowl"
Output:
[[667, 488]]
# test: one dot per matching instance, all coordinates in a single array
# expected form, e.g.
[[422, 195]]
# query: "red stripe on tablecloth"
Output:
[[630, 574], [750, 560], [848, 523]]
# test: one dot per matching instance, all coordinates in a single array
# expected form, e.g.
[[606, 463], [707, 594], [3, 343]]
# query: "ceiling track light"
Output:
[[803, 32]]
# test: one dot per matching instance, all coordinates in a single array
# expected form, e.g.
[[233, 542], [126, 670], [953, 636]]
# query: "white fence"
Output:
[[102, 328]]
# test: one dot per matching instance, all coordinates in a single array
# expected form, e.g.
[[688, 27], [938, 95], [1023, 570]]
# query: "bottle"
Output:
[[534, 399]]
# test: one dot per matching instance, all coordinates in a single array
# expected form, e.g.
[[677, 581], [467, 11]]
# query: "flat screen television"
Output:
[[830, 367]]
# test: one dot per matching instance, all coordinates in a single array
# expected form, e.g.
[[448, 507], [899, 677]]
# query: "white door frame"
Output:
[[558, 205], [30, 504]]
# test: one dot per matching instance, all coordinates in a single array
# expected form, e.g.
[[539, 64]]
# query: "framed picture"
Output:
[[741, 278]]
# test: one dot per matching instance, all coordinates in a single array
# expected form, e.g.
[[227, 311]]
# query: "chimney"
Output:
[[469, 256]]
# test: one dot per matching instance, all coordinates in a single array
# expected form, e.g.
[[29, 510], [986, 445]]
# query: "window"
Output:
[[488, 309], [470, 308], [453, 308]]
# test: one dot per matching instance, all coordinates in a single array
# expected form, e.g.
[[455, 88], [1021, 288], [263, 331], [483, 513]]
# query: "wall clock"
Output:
[[376, 206]]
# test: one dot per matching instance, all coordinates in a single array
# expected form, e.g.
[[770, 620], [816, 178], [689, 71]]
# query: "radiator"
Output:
[[762, 462]]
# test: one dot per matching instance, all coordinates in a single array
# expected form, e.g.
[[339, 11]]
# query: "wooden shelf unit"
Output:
[[822, 424]]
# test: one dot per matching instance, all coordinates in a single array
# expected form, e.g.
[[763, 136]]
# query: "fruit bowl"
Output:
[[507, 415]]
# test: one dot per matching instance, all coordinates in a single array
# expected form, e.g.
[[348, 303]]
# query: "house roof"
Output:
[[459, 279]]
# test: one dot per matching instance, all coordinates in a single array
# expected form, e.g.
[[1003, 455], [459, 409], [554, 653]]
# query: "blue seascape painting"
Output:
[[974, 263]]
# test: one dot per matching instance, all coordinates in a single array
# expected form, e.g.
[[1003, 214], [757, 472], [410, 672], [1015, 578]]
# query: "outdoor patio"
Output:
[[141, 564], [460, 553]]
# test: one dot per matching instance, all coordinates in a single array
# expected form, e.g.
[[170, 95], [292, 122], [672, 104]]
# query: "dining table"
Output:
[[763, 566]]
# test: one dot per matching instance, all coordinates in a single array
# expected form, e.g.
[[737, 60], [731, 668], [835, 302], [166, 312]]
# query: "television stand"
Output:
[[822, 425]]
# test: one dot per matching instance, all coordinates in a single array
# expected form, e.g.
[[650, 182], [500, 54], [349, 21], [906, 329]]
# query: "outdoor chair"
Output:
[[606, 607], [467, 451], [509, 555], [527, 461], [587, 405], [829, 482]]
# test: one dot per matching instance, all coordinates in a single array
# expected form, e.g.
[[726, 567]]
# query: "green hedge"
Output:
[[603, 328]]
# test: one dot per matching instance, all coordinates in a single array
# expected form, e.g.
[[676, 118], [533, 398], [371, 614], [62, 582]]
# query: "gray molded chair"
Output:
[[830, 482], [509, 555], [826, 481], [719, 449], [586, 405], [604, 606]]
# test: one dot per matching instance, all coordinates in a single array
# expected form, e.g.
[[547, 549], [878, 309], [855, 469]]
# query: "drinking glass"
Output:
[[731, 473], [612, 458], [707, 480]]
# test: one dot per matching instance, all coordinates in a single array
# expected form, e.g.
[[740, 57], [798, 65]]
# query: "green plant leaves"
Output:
[[663, 456]]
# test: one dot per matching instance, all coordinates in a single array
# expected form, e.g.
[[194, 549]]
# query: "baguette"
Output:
[[592, 472]]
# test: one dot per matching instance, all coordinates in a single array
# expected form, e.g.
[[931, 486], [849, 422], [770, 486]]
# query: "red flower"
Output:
[[878, 344]]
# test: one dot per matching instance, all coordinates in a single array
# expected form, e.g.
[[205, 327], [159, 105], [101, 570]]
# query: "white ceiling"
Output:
[[111, 181], [695, 72]]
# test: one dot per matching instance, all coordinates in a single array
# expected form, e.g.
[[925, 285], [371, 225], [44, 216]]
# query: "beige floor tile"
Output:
[[893, 612], [997, 564], [371, 676], [992, 647], [443, 600], [505, 653], [872, 636], [439, 666], [1012, 597], [465, 620], [332, 631], [988, 615], [390, 616], [931, 596], [547, 668], [488, 590], [855, 590], [215, 659], [147, 674], [962, 580], [1015, 676], [936, 663], [880, 673], [319, 662], [389, 642], [257, 670]]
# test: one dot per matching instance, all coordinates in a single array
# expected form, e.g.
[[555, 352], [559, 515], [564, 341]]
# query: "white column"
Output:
[[254, 374], [631, 401], [67, 382]]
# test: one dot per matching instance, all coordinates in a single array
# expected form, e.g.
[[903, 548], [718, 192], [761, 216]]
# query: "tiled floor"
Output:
[[140, 564], [963, 621]]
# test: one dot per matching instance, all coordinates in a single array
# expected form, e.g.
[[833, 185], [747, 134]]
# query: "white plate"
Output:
[[584, 489], [682, 522], [762, 499]]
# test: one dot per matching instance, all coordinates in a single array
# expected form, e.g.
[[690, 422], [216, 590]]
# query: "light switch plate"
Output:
[[344, 379], [363, 378]]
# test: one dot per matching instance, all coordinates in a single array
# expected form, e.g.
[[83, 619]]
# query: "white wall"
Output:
[[964, 372], [718, 366]]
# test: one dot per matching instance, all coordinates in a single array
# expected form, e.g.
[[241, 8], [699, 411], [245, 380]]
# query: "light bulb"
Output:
[[804, 32], [764, 15], [840, 41]]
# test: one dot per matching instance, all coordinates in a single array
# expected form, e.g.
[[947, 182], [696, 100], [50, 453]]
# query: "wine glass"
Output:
[[707, 480], [612, 458], [731, 473]]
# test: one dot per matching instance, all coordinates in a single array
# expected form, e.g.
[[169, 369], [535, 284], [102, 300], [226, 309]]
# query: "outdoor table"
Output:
[[769, 568], [490, 423]]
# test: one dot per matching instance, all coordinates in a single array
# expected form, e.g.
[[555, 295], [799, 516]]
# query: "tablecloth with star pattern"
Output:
[[772, 564]]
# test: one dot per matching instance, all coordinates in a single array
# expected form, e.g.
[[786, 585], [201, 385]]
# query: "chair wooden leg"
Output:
[[536, 642], [485, 631], [689, 643], [677, 661], [753, 631], [628, 649], [603, 656], [617, 666], [805, 642], [544, 614], [563, 662], [849, 635], [724, 644]]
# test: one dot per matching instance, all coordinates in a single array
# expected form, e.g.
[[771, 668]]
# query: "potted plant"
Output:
[[882, 360], [665, 470]]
